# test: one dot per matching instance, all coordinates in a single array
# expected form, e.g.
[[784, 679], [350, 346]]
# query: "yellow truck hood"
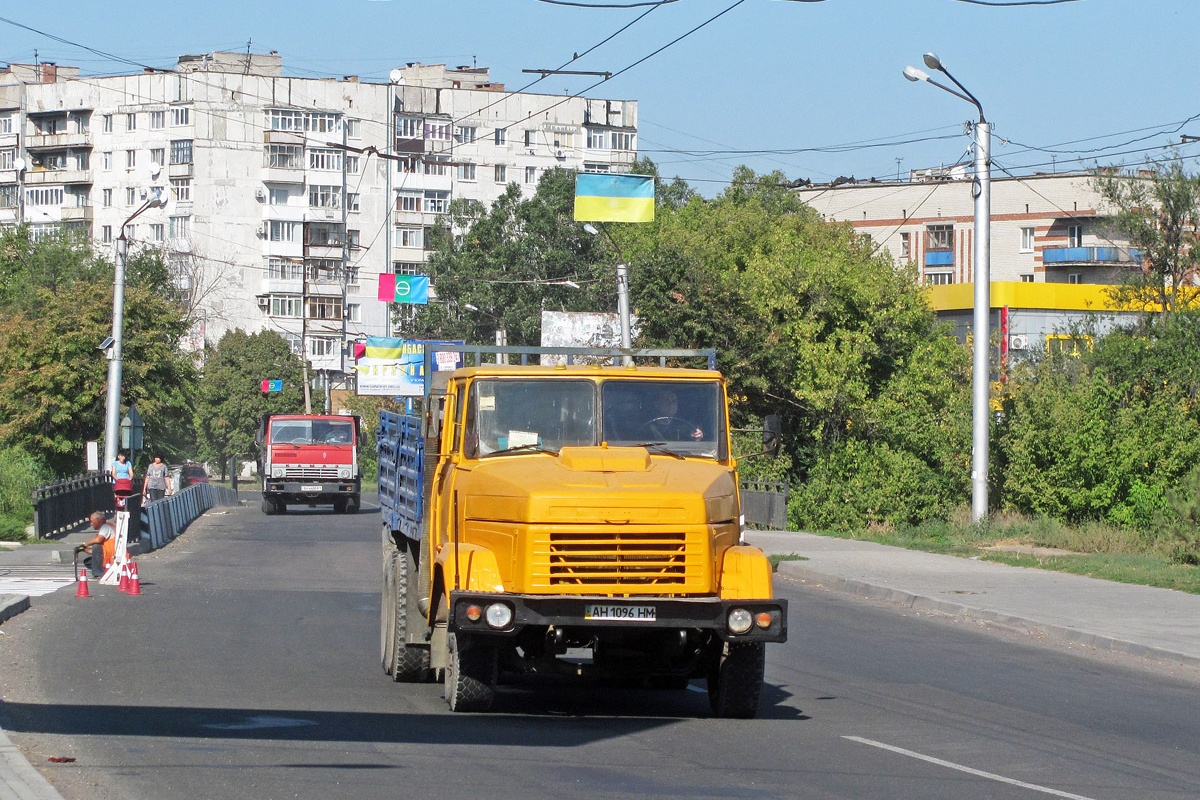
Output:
[[591, 485]]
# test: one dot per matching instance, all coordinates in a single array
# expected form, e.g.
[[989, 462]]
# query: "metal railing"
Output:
[[162, 520], [764, 504], [65, 505]]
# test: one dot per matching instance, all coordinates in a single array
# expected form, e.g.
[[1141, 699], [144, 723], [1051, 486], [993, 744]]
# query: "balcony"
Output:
[[1091, 255], [42, 177], [939, 258], [180, 170], [77, 214], [57, 141]]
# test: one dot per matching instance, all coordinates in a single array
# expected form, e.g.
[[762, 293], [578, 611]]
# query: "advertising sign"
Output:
[[394, 367]]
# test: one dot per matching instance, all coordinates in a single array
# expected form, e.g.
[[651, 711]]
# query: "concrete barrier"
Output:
[[163, 520]]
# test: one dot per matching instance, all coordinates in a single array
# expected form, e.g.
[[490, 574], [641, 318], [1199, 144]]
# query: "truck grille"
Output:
[[312, 472], [625, 559]]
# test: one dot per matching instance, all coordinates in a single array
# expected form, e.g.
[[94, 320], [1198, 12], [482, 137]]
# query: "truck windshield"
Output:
[[533, 415], [319, 431]]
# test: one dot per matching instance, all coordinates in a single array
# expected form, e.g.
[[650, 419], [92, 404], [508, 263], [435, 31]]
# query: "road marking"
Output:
[[256, 723], [968, 770], [32, 587]]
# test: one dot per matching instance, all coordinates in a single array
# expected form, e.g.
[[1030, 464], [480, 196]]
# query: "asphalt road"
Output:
[[249, 669]]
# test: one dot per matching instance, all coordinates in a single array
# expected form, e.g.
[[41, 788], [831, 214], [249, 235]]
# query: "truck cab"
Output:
[[309, 459]]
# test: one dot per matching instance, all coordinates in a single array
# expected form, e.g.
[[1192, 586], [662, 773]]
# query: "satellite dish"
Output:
[[396, 76], [155, 168], [20, 164]]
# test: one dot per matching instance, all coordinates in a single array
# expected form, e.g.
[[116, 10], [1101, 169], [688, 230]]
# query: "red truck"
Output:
[[309, 459]]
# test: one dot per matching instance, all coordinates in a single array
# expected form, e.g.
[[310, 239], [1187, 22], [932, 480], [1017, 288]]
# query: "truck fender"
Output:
[[477, 568], [745, 574]]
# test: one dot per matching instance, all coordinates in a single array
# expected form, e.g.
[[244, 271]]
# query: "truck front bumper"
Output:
[[310, 489], [469, 613]]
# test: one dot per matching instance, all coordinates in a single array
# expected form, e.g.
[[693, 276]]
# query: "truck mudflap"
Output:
[[473, 612]]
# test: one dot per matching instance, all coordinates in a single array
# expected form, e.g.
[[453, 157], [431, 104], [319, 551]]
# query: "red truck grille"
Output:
[[627, 558], [312, 472]]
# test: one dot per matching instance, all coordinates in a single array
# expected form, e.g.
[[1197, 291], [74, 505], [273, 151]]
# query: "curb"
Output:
[[19, 778], [10, 606], [920, 602]]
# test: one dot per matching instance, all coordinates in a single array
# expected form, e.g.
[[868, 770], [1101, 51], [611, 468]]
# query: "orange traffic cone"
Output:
[[81, 584], [123, 581], [135, 583]]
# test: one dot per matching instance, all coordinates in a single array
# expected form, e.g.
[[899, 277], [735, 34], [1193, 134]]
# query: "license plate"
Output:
[[622, 613], [310, 488]]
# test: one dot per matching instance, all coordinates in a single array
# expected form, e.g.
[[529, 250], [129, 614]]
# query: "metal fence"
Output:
[[163, 520], [65, 505], [764, 504]]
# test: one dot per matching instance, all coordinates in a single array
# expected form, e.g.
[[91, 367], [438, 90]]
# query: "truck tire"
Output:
[[470, 675], [339, 505], [410, 663], [735, 679], [353, 504], [387, 613]]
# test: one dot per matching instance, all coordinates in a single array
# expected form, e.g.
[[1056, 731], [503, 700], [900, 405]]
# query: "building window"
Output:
[[323, 346], [284, 156], [1026, 278], [106, 198], [939, 278], [531, 174], [409, 127], [325, 308], [9, 196], [466, 172], [131, 122], [130, 196], [181, 151], [106, 160], [530, 137], [158, 156], [277, 197], [283, 269], [595, 167], [501, 173], [597, 139], [325, 197], [50, 196], [353, 201], [279, 230], [1074, 277], [106, 123], [407, 236], [182, 187], [622, 140], [354, 128], [180, 115], [408, 267], [436, 202], [106, 234], [324, 159], [130, 159], [906, 245], [158, 120], [8, 158], [156, 231], [285, 305], [500, 137], [437, 165], [465, 134], [409, 201], [353, 312], [1074, 236], [939, 237], [6, 123], [181, 227], [1026, 240], [1067, 344], [352, 164], [409, 164], [437, 131], [353, 239]]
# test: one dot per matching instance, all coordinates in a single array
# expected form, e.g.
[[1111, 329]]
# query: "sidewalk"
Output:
[[1140, 620], [30, 570]]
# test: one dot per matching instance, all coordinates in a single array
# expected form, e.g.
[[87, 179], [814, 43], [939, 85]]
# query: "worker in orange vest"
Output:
[[106, 537]]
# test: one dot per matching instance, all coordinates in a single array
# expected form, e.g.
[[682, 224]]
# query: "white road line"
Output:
[[968, 770], [32, 587]]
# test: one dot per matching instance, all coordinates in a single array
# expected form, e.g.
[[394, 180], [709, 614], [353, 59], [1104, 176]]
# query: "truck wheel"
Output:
[[387, 613], [269, 506], [353, 504], [735, 680], [410, 663], [470, 675], [339, 505]]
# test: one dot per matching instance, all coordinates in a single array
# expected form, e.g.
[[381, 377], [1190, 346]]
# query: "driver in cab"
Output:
[[665, 421]]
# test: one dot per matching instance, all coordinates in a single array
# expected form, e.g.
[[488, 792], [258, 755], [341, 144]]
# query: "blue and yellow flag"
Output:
[[601, 197]]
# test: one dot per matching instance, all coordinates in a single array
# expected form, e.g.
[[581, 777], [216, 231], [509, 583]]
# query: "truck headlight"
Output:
[[344, 472], [739, 620], [278, 472], [499, 616]]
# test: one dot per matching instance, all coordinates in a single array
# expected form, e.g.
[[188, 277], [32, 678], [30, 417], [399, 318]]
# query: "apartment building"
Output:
[[286, 198], [1053, 252]]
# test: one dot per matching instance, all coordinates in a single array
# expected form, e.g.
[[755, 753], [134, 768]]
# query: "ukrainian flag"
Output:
[[601, 197]]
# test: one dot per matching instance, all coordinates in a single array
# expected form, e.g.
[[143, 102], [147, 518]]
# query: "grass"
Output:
[[775, 559], [1093, 549]]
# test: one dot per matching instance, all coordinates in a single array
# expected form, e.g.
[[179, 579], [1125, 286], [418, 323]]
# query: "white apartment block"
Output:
[[287, 198], [1053, 252]]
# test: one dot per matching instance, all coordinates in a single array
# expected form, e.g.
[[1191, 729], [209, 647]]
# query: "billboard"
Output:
[[395, 367], [581, 329]]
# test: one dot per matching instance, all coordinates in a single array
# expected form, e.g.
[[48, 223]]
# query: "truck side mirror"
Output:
[[772, 434]]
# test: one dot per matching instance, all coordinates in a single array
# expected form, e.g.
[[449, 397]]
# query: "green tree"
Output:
[[56, 307], [1158, 209], [230, 401]]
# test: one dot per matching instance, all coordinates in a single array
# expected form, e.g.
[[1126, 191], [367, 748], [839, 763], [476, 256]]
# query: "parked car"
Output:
[[190, 474]]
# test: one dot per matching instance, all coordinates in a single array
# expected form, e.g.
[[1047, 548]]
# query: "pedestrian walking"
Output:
[[158, 480]]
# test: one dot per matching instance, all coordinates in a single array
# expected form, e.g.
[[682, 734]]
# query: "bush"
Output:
[[20, 474], [1181, 527]]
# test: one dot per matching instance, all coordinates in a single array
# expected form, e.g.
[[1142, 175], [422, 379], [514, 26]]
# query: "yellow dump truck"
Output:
[[571, 518]]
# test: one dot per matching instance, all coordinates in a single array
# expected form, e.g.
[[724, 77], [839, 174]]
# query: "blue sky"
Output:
[[813, 89]]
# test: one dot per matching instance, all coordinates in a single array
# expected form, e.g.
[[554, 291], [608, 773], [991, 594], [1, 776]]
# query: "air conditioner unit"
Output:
[[261, 232], [1018, 342], [264, 301], [260, 194]]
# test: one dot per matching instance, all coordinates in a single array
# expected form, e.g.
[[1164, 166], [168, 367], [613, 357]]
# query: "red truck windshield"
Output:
[[319, 431]]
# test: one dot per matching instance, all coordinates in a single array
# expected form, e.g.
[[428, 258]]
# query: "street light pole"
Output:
[[622, 291], [112, 410], [982, 250]]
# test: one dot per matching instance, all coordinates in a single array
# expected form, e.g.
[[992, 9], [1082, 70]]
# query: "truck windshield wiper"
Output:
[[524, 448], [661, 447]]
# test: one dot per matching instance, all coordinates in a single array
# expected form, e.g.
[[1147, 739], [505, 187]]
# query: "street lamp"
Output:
[[622, 290], [981, 377], [501, 331], [112, 416]]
